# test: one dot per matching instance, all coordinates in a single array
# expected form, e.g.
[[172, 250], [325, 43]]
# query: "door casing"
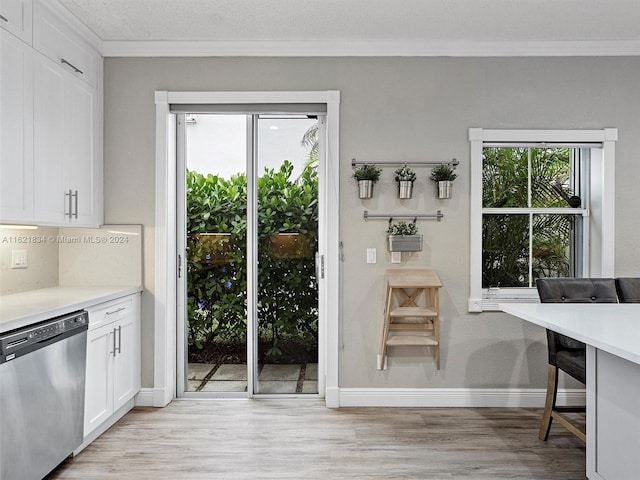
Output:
[[166, 248]]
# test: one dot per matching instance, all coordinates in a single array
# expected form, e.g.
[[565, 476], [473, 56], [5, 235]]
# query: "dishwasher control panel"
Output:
[[18, 342]]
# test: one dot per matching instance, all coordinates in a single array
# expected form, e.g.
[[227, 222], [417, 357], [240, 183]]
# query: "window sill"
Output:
[[491, 303]]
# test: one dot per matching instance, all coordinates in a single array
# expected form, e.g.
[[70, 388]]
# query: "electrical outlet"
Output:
[[371, 255], [19, 259]]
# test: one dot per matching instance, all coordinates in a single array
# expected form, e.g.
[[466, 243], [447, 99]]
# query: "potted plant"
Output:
[[405, 177], [404, 237], [443, 175], [366, 175]]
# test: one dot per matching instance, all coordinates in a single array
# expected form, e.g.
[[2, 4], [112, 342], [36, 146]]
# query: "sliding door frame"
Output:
[[166, 248]]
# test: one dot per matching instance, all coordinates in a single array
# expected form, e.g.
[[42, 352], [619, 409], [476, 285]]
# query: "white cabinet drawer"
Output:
[[109, 312], [53, 38], [15, 17]]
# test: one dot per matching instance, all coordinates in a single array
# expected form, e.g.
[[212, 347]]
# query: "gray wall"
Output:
[[396, 109]]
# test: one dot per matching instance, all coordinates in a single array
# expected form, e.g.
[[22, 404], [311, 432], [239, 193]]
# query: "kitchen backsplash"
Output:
[[106, 256], [40, 247]]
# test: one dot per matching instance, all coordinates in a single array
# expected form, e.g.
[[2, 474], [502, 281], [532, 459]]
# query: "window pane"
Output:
[[507, 257], [550, 177], [552, 244], [505, 177], [505, 251]]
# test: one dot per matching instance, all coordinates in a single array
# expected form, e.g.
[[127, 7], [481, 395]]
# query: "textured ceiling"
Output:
[[364, 20]]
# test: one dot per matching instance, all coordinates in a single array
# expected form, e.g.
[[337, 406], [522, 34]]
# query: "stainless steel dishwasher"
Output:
[[42, 375]]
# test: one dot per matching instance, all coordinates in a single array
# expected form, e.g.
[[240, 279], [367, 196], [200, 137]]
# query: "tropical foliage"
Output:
[[525, 178], [217, 264], [367, 171]]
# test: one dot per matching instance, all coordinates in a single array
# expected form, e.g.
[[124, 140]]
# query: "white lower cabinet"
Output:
[[113, 359]]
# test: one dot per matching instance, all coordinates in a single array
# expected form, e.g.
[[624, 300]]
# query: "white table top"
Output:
[[22, 309], [612, 327]]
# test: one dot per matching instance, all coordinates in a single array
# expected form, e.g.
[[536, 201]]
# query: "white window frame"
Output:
[[601, 225]]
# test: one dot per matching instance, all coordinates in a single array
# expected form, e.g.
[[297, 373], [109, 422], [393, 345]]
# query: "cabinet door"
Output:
[[15, 17], [98, 404], [80, 166], [50, 203], [16, 130], [126, 370]]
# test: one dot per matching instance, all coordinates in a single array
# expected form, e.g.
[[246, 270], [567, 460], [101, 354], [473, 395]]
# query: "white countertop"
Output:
[[612, 327], [26, 308]]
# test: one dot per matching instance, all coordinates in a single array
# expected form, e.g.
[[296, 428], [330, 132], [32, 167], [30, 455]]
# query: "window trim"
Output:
[[601, 228]]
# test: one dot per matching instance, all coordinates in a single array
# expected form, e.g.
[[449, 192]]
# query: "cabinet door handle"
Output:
[[75, 196], [115, 311], [114, 344], [77, 70], [119, 339], [69, 201], [3, 18]]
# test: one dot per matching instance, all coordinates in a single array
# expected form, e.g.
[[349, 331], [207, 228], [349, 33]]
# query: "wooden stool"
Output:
[[411, 311]]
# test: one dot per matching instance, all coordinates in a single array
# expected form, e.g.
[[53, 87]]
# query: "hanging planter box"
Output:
[[214, 248], [365, 188], [290, 245], [405, 188], [444, 189], [405, 243]]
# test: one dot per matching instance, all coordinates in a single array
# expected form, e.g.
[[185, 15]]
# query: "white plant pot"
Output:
[[405, 188], [444, 188], [365, 188]]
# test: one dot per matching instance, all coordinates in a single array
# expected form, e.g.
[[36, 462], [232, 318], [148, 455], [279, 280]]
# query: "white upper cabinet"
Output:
[[67, 166], [49, 140], [82, 168], [56, 40], [16, 129], [15, 17], [51, 130]]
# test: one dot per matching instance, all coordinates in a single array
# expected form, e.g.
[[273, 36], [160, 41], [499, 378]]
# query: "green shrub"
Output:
[[217, 270]]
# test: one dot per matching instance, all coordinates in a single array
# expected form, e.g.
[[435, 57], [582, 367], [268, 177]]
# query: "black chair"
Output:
[[565, 353], [628, 290]]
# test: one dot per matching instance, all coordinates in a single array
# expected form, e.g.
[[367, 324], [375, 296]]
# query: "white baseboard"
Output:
[[144, 398], [453, 397], [332, 397]]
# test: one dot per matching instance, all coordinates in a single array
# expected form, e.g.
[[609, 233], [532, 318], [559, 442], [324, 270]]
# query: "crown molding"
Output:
[[73, 23], [373, 48]]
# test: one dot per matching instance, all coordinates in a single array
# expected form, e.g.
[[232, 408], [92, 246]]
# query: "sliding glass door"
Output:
[[248, 321], [287, 221]]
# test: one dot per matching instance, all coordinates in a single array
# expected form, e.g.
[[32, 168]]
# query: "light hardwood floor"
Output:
[[301, 439]]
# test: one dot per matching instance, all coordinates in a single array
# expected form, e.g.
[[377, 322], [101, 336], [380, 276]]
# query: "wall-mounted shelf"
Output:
[[453, 164], [390, 216]]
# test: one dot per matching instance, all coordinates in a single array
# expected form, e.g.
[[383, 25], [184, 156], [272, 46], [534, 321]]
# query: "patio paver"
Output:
[[225, 386], [280, 373], [229, 371], [310, 386], [197, 371], [311, 372], [273, 386]]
